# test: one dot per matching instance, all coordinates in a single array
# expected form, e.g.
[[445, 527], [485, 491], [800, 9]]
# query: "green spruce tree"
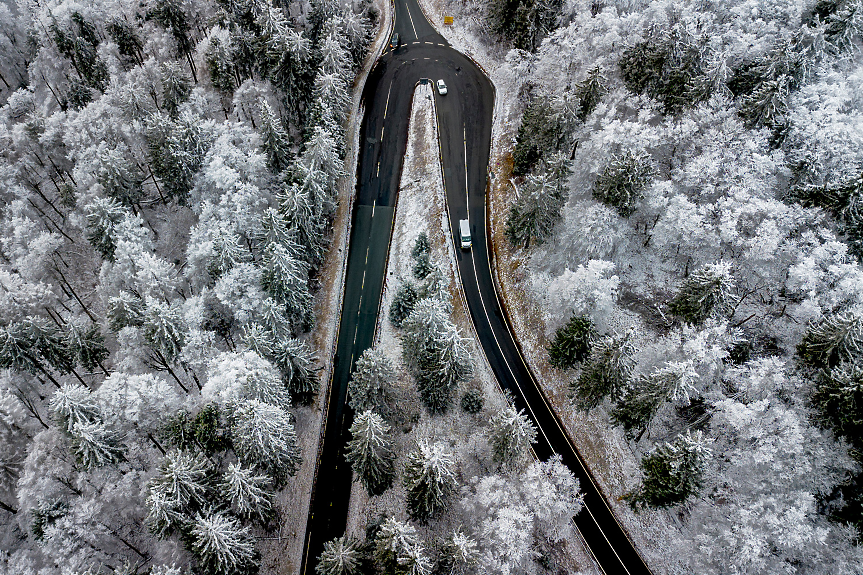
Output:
[[370, 452]]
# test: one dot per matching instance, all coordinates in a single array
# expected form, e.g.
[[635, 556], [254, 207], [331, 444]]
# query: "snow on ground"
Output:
[[282, 553], [608, 454]]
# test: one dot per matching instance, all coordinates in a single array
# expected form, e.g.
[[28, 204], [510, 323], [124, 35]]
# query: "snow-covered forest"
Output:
[[169, 173], [681, 187]]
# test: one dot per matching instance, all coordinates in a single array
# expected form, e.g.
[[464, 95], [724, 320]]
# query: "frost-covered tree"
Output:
[[297, 362], [436, 353], [103, 215], [623, 181], [177, 150], [370, 452], [429, 478], [232, 376], [672, 472], [572, 343], [835, 338], [341, 556], [459, 554], [838, 396], [536, 211], [706, 291], [125, 309], [122, 180], [524, 23], [249, 493], [86, 344], [176, 87], [96, 445], [164, 329], [589, 93], [74, 404], [275, 141], [472, 401], [403, 303], [35, 345], [606, 372], [285, 278], [511, 433], [222, 545], [667, 67], [264, 438], [397, 548], [646, 394], [371, 383], [181, 485]]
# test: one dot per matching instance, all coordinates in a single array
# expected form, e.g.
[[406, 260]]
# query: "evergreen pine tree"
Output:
[[122, 181], [95, 445], [181, 485], [706, 291], [125, 309], [371, 383], [222, 545], [459, 555], [286, 279], [621, 184], [176, 87], [838, 397], [536, 211], [511, 433], [835, 338], [74, 404], [392, 543], [403, 303], [248, 492], [606, 372], [163, 329], [429, 478], [297, 363], [274, 139], [589, 93], [103, 215], [370, 452], [341, 556], [264, 438], [471, 401], [86, 345], [672, 472], [572, 342], [436, 353], [640, 402]]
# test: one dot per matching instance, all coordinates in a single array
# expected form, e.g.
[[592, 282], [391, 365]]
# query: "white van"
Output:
[[464, 230]]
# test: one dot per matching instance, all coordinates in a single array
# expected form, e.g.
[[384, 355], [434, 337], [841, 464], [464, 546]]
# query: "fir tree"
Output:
[[459, 555], [74, 404], [209, 430], [589, 93], [125, 309], [572, 342], [176, 87], [164, 330], [835, 338], [220, 64], [95, 445], [222, 545], [403, 303], [672, 473], [181, 485], [838, 397], [429, 478], [34, 344], [297, 363], [286, 279], [103, 215], [436, 353], [471, 401], [86, 345], [122, 181], [177, 149], [275, 141], [371, 383], [606, 372], [248, 492], [640, 402], [706, 291], [264, 438], [621, 184], [126, 38], [341, 556], [392, 545], [511, 433], [370, 452], [536, 211]]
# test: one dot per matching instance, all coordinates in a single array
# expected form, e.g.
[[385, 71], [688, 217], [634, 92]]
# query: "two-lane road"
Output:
[[464, 123]]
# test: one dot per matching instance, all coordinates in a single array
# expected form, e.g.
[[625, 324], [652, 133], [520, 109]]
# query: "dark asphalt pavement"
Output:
[[464, 124]]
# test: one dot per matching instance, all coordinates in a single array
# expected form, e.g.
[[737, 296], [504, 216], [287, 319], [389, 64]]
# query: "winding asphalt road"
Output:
[[464, 125]]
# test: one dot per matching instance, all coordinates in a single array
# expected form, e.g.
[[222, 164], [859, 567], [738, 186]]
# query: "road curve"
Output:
[[464, 125]]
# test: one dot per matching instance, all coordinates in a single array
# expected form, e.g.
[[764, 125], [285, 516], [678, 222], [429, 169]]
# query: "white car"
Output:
[[441, 88]]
